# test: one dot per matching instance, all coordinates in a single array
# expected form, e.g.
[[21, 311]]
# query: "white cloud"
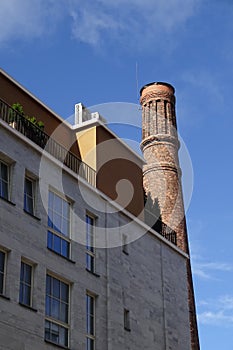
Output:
[[206, 81], [215, 318], [135, 22], [207, 270], [200, 273], [132, 22], [27, 19], [227, 302], [167, 13], [217, 312], [88, 27]]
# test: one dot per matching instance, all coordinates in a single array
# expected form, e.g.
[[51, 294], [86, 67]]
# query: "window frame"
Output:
[[3, 272], [90, 249], [26, 262], [90, 336], [53, 234], [8, 166], [56, 321], [33, 182]]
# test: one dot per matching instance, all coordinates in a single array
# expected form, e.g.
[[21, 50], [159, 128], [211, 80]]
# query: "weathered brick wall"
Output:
[[161, 174]]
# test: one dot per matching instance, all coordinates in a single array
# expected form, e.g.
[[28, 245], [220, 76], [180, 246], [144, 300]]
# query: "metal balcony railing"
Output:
[[169, 234], [39, 137], [153, 219]]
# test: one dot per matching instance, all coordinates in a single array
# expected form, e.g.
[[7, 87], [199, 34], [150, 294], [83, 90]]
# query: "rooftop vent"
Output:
[[84, 116]]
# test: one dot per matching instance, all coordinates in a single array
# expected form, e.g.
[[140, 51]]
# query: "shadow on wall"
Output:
[[152, 214]]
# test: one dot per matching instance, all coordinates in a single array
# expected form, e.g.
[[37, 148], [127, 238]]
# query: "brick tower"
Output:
[[162, 174]]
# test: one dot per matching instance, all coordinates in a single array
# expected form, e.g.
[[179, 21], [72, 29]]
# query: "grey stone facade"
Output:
[[149, 281]]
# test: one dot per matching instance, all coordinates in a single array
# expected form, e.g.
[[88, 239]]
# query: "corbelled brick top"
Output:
[[159, 84], [156, 90]]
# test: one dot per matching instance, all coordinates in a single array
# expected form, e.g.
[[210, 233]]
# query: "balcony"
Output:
[[152, 216], [40, 138]]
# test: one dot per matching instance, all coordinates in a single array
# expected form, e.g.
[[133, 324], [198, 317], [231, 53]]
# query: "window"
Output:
[[57, 311], [126, 320], [2, 271], [4, 180], [25, 291], [59, 225], [29, 195], [124, 244], [90, 243], [90, 318]]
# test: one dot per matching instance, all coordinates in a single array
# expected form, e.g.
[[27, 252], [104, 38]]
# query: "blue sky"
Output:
[[70, 51]]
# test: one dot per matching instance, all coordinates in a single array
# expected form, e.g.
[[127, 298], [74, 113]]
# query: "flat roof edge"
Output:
[[34, 97]]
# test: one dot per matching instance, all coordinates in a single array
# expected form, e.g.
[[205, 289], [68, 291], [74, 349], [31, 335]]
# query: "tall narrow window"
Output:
[[126, 320], [90, 317], [90, 243], [2, 271], [25, 292], [29, 195], [58, 225], [57, 311], [124, 244], [4, 180]]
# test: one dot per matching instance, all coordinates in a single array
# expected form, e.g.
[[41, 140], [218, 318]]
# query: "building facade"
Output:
[[79, 270]]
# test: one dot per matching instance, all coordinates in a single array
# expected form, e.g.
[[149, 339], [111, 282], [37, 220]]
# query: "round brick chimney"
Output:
[[162, 174], [160, 145]]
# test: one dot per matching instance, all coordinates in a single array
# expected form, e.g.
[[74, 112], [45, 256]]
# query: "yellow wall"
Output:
[[86, 140]]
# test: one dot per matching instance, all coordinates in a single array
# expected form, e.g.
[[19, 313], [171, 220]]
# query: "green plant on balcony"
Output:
[[16, 109]]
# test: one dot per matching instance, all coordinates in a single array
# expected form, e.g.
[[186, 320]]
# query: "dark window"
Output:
[[57, 311], [126, 319], [90, 318], [124, 244], [56, 333], [29, 195], [4, 180], [2, 271], [90, 243], [58, 238], [25, 284]]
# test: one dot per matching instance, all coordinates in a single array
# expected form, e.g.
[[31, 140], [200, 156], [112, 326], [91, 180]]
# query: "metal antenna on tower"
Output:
[[137, 92]]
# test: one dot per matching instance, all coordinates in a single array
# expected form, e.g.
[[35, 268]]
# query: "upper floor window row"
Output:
[[29, 187]]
